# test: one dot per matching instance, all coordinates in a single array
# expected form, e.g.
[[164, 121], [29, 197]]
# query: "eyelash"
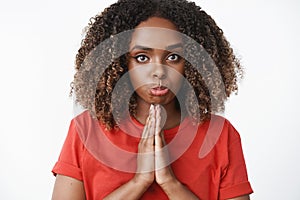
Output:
[[138, 56], [178, 57]]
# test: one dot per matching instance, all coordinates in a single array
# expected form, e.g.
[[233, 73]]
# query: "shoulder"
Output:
[[84, 119], [218, 122], [78, 131], [219, 133]]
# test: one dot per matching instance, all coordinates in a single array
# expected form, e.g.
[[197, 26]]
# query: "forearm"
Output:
[[133, 189], [176, 190], [245, 197]]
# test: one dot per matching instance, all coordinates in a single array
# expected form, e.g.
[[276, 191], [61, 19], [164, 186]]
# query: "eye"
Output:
[[173, 57], [141, 58]]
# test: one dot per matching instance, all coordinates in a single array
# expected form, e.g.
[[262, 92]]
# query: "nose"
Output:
[[159, 71]]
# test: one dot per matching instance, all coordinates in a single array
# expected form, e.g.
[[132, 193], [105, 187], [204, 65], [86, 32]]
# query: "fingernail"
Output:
[[151, 108], [157, 108]]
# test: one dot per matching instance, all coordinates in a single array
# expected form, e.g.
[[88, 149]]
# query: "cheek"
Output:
[[138, 77], [181, 68], [178, 82], [176, 76], [175, 82], [133, 78]]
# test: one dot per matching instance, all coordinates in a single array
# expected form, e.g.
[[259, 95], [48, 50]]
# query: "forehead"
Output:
[[155, 33]]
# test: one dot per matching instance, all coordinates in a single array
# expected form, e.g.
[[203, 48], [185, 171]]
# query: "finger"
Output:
[[145, 132], [146, 143], [161, 152], [150, 135], [158, 142], [151, 131], [158, 119], [161, 155], [151, 122], [146, 127], [162, 135], [157, 139]]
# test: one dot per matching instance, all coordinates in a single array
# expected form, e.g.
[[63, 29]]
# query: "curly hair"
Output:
[[211, 68]]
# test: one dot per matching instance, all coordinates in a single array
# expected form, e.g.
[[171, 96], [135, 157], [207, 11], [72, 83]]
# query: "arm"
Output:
[[144, 176], [245, 197], [67, 188], [163, 172], [175, 190], [164, 175], [235, 172], [133, 189]]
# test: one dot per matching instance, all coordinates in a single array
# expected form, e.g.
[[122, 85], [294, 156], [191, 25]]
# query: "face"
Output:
[[155, 65]]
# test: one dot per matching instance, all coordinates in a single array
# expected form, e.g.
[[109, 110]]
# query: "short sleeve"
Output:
[[70, 158], [234, 180]]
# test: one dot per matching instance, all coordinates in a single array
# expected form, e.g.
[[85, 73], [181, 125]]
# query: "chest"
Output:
[[201, 176]]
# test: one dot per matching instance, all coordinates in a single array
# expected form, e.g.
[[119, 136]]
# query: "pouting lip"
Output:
[[159, 87], [159, 91], [156, 86]]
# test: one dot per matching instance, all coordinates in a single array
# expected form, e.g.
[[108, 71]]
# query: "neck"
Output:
[[172, 113]]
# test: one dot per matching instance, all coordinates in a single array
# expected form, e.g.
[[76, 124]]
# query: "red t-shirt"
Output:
[[206, 158]]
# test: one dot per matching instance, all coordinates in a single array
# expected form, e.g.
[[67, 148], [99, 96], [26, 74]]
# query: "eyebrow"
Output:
[[168, 48], [174, 46]]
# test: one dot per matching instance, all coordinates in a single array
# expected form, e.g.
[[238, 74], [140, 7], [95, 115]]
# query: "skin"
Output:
[[154, 58], [148, 67], [67, 188]]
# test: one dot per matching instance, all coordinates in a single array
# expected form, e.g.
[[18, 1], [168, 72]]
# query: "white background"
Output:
[[38, 44]]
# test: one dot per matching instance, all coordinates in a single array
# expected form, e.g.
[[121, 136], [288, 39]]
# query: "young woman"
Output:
[[149, 130]]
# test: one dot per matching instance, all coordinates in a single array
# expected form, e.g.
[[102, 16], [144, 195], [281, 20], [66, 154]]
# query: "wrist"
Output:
[[170, 184], [171, 187], [140, 181], [176, 190]]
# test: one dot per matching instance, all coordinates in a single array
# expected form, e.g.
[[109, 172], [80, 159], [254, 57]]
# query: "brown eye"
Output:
[[142, 58], [173, 57]]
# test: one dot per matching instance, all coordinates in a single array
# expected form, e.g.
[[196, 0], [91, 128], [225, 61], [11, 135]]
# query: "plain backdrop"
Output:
[[38, 44]]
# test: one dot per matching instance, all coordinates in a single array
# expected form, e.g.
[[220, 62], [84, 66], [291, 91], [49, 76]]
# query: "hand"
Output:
[[144, 176], [152, 164], [145, 158], [153, 158], [163, 171]]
